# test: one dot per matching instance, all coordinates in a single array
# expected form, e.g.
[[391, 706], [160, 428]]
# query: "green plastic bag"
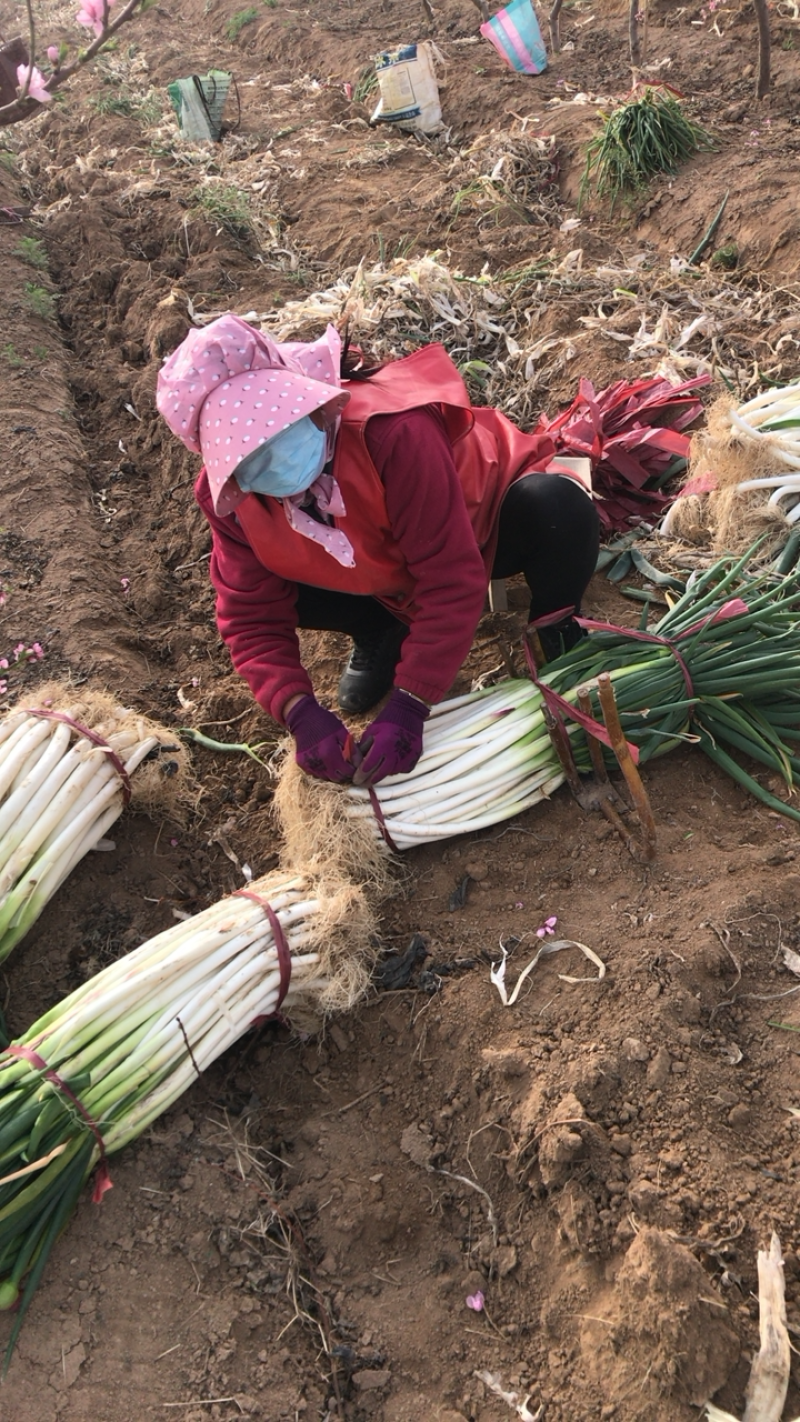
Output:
[[198, 103]]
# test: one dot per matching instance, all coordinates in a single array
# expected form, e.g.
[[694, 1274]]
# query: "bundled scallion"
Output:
[[97, 1070], [771, 424], [721, 669], [65, 768], [648, 134]]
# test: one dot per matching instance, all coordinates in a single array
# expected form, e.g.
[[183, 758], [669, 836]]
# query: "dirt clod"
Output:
[[669, 1341]]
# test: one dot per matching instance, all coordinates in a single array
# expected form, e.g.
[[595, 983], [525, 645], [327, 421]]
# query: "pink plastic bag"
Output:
[[514, 32]]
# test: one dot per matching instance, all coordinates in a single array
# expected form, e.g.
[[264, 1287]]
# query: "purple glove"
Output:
[[320, 738], [392, 743]]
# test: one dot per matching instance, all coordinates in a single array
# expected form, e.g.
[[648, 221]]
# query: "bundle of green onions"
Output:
[[96, 1070], [486, 757], [646, 135], [772, 422], [64, 780], [721, 669]]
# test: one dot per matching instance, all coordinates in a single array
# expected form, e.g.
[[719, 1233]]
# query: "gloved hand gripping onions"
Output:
[[720, 670], [98, 1069], [66, 763]]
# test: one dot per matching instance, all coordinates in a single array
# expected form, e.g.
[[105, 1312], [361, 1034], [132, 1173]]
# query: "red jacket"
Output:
[[489, 454], [423, 487]]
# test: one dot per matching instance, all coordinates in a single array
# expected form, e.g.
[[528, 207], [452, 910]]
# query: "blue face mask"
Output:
[[287, 464]]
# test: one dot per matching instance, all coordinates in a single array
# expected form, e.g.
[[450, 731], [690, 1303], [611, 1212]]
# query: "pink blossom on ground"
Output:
[[36, 84], [476, 1301], [3, 663], [3, 599], [36, 651], [18, 650], [548, 927], [53, 53]]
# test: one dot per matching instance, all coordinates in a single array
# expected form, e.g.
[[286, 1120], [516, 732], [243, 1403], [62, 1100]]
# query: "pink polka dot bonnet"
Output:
[[229, 388]]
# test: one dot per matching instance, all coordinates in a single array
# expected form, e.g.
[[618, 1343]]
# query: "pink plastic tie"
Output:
[[103, 1180]]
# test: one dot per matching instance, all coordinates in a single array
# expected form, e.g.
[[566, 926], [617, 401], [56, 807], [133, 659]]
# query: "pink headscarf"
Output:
[[229, 388]]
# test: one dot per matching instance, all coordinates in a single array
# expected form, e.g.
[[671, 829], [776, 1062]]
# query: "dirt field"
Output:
[[601, 1160]]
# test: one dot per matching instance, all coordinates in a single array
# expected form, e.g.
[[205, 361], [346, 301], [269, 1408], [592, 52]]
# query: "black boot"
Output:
[[369, 672], [560, 638]]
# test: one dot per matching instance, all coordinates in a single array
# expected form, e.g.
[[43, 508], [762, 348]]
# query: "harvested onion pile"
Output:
[[64, 780], [648, 134], [720, 669], [99, 1068]]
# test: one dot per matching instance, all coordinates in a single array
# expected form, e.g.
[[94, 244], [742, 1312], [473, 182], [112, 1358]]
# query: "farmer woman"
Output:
[[380, 505]]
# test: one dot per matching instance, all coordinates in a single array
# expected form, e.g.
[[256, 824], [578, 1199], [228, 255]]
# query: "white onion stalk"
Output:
[[59, 794], [99, 1068], [486, 757], [772, 421], [759, 407]]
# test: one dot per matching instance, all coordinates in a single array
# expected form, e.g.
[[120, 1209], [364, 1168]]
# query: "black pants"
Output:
[[549, 531]]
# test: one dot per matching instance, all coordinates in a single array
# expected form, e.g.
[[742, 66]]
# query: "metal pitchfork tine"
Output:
[[605, 792], [597, 792]]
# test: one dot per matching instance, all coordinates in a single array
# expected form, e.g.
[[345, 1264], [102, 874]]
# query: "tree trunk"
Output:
[[633, 31], [764, 47], [555, 27]]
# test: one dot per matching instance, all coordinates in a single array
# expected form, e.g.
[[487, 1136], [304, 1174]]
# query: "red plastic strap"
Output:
[[558, 706], [353, 753], [281, 946], [551, 618], [90, 736], [377, 810], [638, 636], [264, 1017], [734, 607], [103, 1180]]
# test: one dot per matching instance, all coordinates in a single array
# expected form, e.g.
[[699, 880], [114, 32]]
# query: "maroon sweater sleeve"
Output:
[[256, 609], [430, 522], [256, 613]]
